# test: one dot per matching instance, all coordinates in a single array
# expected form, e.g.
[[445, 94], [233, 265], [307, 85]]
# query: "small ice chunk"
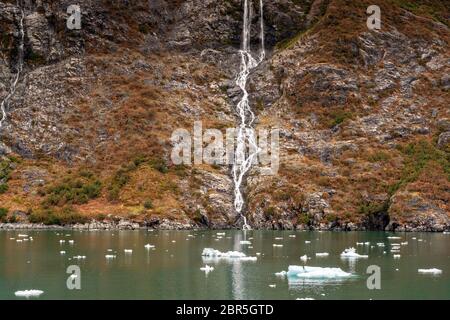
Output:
[[277, 245], [322, 254], [394, 238], [380, 244], [316, 272], [352, 254], [216, 254], [79, 257], [307, 241], [29, 293], [207, 268], [19, 240], [128, 250], [149, 246], [304, 258], [430, 271], [71, 242], [245, 242], [110, 256], [304, 299], [258, 253], [278, 238], [272, 285], [62, 252], [173, 241], [397, 256], [404, 243], [23, 236], [62, 241], [281, 274], [292, 236], [220, 233]]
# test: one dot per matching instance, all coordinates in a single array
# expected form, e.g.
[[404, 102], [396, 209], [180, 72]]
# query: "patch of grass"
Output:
[[64, 216], [436, 10], [379, 156], [72, 190], [148, 204], [3, 214], [6, 168], [417, 156], [339, 117]]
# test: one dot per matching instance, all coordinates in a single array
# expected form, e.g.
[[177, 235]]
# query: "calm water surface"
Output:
[[172, 269]]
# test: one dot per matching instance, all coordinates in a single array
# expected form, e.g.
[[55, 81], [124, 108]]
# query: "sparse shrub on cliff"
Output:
[[64, 216], [3, 214]]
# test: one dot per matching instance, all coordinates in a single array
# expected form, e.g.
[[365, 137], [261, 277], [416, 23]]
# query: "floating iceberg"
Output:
[[316, 272], [216, 254], [430, 271], [352, 254], [322, 254], [29, 293], [207, 268], [304, 258]]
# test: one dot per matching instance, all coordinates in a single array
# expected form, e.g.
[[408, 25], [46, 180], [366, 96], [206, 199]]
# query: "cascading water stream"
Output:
[[15, 79], [245, 136]]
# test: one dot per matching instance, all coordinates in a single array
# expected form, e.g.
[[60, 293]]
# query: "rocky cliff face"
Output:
[[363, 114]]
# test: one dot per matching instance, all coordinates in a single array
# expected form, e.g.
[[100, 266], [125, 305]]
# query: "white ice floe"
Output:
[[322, 254], [430, 271], [277, 245], [446, 232], [12, 238], [304, 299], [128, 250], [23, 236], [79, 257], [245, 242], [210, 253], [71, 242], [281, 274], [272, 285], [207, 268], [394, 238], [258, 253], [220, 233], [28, 293], [62, 252], [62, 241], [307, 241], [380, 244], [278, 238], [173, 241], [110, 256], [316, 272], [352, 254], [404, 243], [19, 240], [397, 256], [292, 236], [363, 243], [304, 258], [149, 246]]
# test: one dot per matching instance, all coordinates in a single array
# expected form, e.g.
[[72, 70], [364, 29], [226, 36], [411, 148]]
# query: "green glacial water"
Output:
[[171, 270]]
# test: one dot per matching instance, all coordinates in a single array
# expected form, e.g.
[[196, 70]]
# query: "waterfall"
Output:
[[15, 79], [245, 134]]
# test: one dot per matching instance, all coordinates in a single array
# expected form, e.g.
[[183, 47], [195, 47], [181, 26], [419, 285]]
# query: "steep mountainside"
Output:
[[363, 114]]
